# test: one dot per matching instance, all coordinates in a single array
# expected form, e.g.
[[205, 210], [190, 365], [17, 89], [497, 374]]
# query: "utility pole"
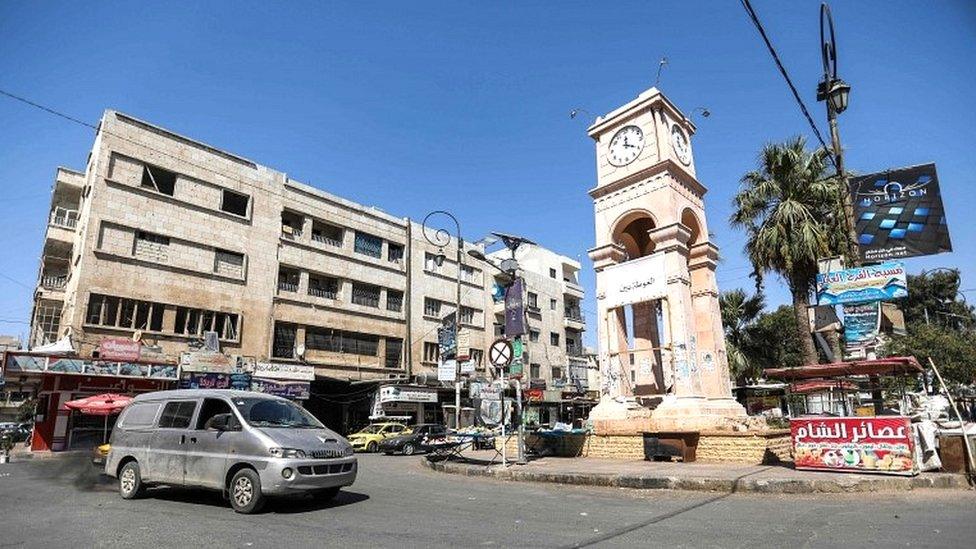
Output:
[[835, 93]]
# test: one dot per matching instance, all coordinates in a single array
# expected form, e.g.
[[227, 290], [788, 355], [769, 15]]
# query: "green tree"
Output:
[[776, 340], [939, 325], [739, 314], [952, 350], [790, 209]]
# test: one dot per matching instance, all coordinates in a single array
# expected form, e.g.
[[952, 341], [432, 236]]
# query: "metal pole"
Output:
[[520, 458], [504, 440], [962, 424], [457, 330]]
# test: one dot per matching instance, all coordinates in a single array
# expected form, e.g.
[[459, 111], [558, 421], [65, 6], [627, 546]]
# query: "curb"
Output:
[[761, 486], [32, 456]]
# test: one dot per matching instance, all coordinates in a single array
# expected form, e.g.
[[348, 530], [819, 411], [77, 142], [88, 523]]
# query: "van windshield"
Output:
[[266, 412]]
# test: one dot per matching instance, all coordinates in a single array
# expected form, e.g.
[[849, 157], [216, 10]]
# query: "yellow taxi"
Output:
[[368, 439]]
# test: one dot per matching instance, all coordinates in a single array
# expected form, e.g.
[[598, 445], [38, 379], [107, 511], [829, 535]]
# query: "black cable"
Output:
[[789, 81]]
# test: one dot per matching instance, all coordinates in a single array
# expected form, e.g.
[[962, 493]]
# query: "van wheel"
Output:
[[408, 449], [372, 447], [130, 481], [245, 492]]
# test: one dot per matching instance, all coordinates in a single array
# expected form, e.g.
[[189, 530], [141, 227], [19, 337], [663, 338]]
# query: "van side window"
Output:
[[177, 414], [210, 408], [140, 415]]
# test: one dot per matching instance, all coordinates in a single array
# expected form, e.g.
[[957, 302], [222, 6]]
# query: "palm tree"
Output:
[[790, 209], [739, 312]]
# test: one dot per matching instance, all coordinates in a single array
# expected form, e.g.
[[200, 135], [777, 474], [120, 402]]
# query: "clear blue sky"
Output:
[[464, 107]]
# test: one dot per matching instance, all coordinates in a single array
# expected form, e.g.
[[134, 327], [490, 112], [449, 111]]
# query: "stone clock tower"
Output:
[[661, 345]]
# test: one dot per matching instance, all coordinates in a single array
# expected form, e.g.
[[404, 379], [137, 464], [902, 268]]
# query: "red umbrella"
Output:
[[100, 405]]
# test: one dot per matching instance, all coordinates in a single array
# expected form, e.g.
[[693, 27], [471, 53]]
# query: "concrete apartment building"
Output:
[[171, 237], [554, 345]]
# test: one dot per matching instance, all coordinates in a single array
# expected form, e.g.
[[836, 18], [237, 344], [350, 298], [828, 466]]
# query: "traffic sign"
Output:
[[500, 353]]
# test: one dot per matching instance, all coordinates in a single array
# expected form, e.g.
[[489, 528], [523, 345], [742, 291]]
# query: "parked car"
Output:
[[247, 445], [414, 441], [368, 438], [18, 432]]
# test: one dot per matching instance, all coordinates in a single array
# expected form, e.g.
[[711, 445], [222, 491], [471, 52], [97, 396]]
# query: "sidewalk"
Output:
[[705, 477]]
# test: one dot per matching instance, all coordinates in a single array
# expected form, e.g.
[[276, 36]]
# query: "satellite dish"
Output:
[[300, 350], [137, 336]]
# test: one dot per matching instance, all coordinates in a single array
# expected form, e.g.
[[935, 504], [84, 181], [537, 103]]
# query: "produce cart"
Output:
[[842, 436]]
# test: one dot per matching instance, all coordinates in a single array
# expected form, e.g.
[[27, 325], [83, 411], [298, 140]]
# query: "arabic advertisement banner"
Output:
[[240, 382], [883, 282], [119, 348], [515, 309], [635, 281], [298, 390], [861, 324], [854, 445], [899, 214]]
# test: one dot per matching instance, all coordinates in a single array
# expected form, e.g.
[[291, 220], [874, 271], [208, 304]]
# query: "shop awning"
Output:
[[819, 385], [883, 366]]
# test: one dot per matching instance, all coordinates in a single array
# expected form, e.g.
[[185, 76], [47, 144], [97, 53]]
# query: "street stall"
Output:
[[841, 431]]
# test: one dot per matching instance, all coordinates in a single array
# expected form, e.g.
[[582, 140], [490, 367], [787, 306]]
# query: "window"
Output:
[[151, 246], [468, 315], [432, 307], [365, 294], [177, 414], [235, 203], [633, 376], [430, 263], [394, 253], [394, 301], [432, 352], [499, 330], [338, 341], [535, 371], [552, 304], [394, 347], [368, 244], [229, 263], [468, 274], [477, 355], [161, 180], [533, 335], [48, 320], [552, 273], [124, 313], [533, 300], [322, 286], [210, 408], [327, 234], [140, 415], [557, 372], [553, 338], [284, 341], [631, 359], [194, 322], [288, 280]]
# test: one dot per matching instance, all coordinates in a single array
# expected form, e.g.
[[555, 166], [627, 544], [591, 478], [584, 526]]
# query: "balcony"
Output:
[[573, 318], [326, 239], [54, 282], [327, 293], [286, 286], [572, 288], [64, 218]]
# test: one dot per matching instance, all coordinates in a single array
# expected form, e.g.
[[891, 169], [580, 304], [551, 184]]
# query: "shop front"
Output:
[[59, 379], [408, 404]]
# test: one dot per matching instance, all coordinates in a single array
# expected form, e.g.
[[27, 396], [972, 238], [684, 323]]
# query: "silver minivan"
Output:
[[248, 445]]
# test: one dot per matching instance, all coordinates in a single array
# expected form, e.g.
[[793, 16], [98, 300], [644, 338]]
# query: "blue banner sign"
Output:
[[240, 382], [883, 282], [298, 390], [861, 324]]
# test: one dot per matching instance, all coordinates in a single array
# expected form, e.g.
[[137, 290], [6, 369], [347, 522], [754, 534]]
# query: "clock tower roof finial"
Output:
[[644, 99]]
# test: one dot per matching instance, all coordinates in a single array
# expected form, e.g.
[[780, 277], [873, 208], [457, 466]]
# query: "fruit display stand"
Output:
[[846, 442]]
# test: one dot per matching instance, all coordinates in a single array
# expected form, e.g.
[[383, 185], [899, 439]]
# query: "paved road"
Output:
[[398, 503]]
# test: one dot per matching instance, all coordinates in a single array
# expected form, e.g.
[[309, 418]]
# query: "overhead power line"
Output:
[[789, 81]]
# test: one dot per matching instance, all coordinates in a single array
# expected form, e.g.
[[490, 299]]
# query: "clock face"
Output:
[[679, 141], [625, 146]]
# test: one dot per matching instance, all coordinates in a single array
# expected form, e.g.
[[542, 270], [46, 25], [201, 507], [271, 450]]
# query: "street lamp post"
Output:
[[835, 93], [441, 238]]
